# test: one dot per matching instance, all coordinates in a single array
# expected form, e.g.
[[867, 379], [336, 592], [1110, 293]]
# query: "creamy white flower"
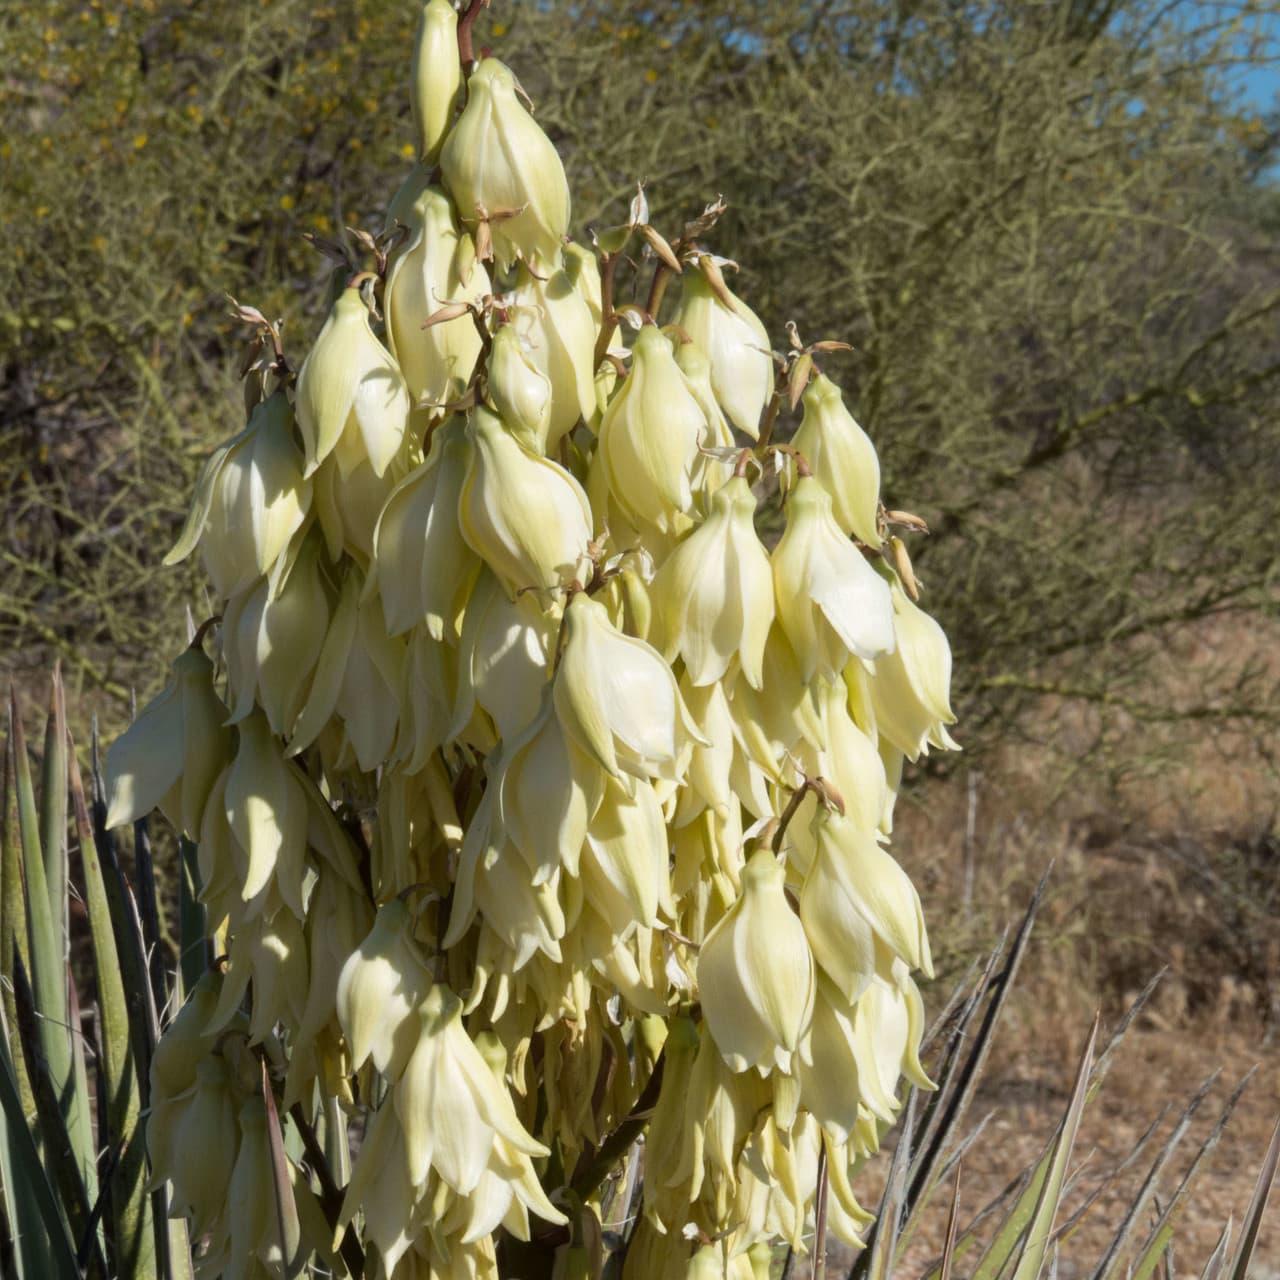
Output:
[[352, 400], [379, 989], [617, 698], [524, 515], [650, 435], [736, 344], [518, 390], [449, 1104], [857, 900], [831, 602], [558, 332], [423, 568], [497, 161], [714, 593], [756, 974], [842, 458], [433, 266], [910, 689], [251, 498], [171, 754], [273, 634]]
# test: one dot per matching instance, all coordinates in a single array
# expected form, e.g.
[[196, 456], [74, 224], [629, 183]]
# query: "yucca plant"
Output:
[[76, 1196]]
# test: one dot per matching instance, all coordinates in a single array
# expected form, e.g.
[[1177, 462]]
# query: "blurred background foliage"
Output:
[[1048, 229]]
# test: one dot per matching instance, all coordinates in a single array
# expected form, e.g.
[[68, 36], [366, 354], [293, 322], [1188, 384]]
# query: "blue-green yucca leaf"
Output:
[[133, 1232], [48, 975], [13, 918], [42, 1248], [53, 815], [60, 1162]]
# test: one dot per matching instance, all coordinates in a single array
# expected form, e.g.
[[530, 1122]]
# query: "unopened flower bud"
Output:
[[736, 344], [352, 398], [842, 458], [435, 76], [500, 166], [171, 754], [756, 974], [250, 500], [831, 602], [519, 391]]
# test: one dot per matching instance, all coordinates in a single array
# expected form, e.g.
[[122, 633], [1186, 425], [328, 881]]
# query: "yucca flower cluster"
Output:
[[541, 808]]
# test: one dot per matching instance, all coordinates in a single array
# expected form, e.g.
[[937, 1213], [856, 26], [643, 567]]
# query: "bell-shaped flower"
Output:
[[756, 974], [650, 436], [856, 900], [831, 1086], [380, 1186], [524, 515], [272, 636], [449, 1103], [423, 569], [888, 1025], [715, 465], [911, 688], [265, 813], [338, 919], [735, 342], [170, 756], [518, 390], [358, 679], [842, 458], [504, 652], [625, 863], [347, 507], [379, 989], [617, 698], [494, 882], [713, 595], [509, 1188], [352, 400], [435, 76], [199, 1153], [849, 761], [502, 169], [432, 266], [548, 791], [831, 602], [251, 498], [272, 955], [558, 333]]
